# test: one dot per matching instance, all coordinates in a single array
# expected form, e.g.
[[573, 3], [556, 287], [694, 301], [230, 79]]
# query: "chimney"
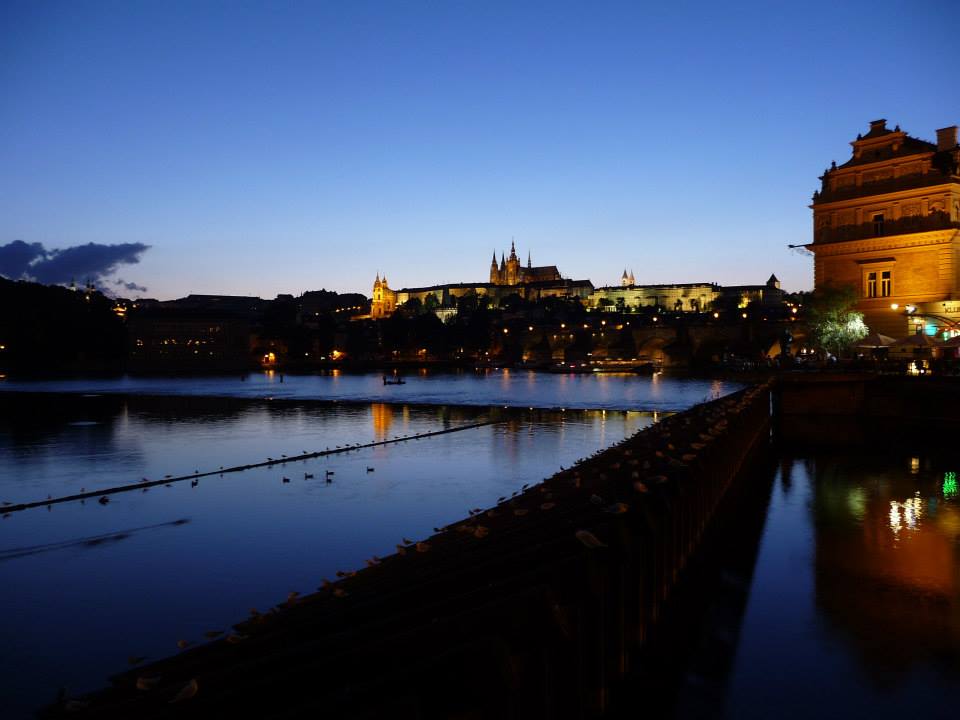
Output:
[[878, 125], [947, 138]]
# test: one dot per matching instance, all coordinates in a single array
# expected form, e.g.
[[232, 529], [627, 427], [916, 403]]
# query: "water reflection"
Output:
[[857, 591], [887, 571], [382, 416]]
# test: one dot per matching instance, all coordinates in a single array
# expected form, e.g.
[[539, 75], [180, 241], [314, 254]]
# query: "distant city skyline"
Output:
[[262, 148]]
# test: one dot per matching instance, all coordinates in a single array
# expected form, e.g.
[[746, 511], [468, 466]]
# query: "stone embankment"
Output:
[[536, 607]]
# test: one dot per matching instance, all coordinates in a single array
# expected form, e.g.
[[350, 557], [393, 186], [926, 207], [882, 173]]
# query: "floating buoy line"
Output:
[[269, 463]]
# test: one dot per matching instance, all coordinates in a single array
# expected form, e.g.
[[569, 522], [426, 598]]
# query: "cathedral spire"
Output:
[[529, 262]]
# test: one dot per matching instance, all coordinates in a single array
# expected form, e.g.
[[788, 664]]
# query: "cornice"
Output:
[[907, 194], [881, 164]]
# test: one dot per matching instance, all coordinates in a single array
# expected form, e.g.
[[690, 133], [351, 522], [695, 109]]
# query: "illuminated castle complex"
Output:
[[510, 277]]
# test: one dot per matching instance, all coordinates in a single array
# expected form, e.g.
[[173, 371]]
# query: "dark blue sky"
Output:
[[280, 147]]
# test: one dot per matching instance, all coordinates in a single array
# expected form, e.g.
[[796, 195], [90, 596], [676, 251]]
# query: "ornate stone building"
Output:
[[511, 272], [887, 221], [384, 300]]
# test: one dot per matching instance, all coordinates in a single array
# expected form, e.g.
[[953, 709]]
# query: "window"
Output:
[[886, 283], [878, 224], [871, 288]]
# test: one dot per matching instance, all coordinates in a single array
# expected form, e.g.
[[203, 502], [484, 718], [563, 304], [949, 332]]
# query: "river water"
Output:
[[87, 585], [515, 388], [852, 609]]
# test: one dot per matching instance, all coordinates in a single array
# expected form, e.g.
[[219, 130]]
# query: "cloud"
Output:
[[93, 261], [130, 285], [16, 257]]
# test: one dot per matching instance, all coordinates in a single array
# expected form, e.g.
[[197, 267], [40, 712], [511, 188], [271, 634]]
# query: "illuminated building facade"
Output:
[[887, 222], [685, 297], [384, 300]]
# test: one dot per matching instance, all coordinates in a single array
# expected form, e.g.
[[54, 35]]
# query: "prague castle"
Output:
[[887, 222], [509, 277], [532, 283]]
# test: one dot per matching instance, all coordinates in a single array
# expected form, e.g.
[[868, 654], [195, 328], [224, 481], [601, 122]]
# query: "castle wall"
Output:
[[663, 295]]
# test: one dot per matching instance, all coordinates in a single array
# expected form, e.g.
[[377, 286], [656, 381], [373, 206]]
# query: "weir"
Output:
[[537, 607]]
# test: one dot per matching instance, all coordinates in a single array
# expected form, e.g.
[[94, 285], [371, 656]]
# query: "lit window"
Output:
[[871, 289], [886, 283]]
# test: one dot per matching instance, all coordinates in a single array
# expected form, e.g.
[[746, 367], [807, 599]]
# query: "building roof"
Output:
[[887, 151], [562, 282], [542, 271], [217, 303], [446, 286], [662, 286]]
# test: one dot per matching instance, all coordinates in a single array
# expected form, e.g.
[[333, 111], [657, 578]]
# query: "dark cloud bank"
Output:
[[32, 261]]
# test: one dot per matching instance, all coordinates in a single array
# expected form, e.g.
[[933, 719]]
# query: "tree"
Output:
[[513, 303], [467, 303], [431, 303], [833, 322], [412, 307]]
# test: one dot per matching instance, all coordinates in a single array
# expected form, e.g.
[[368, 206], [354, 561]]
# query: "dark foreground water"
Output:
[[854, 608]]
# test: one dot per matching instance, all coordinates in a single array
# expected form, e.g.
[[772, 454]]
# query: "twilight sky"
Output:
[[260, 148]]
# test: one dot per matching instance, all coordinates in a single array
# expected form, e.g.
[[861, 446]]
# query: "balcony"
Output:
[[871, 229], [888, 185]]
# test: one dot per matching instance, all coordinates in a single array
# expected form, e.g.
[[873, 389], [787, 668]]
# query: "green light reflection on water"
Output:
[[950, 484]]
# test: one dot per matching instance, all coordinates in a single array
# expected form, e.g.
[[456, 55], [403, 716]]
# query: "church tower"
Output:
[[513, 266], [384, 300], [494, 272]]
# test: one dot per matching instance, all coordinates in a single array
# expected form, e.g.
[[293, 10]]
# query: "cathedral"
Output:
[[511, 272]]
